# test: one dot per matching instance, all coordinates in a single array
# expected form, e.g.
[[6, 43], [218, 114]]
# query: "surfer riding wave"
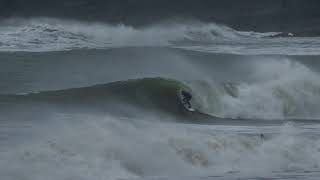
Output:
[[186, 98]]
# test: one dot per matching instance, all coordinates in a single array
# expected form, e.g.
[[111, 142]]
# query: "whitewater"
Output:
[[47, 34], [89, 100]]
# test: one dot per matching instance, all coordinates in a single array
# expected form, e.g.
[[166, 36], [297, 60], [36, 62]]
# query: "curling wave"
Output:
[[281, 98], [153, 94]]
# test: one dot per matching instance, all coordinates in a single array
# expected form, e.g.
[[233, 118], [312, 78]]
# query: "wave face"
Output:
[[153, 94], [43, 34], [287, 90]]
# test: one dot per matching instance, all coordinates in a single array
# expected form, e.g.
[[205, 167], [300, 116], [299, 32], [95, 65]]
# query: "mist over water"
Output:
[[89, 100]]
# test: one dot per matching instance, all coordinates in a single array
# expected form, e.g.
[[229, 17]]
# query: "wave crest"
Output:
[[44, 34]]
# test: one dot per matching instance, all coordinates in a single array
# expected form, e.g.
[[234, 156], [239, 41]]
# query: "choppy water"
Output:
[[99, 101]]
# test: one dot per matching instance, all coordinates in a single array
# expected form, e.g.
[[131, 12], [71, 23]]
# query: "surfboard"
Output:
[[189, 108]]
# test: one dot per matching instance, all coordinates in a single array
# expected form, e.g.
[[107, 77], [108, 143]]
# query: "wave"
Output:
[[276, 97], [148, 94], [45, 34], [107, 147], [280, 90]]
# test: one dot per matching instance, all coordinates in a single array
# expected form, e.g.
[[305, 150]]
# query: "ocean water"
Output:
[[89, 100]]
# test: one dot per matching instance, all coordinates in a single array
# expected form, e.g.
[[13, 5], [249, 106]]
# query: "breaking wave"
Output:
[[106, 147], [44, 34], [292, 96], [282, 90], [55, 35]]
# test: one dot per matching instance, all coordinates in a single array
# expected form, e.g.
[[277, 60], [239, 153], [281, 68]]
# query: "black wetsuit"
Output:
[[186, 98]]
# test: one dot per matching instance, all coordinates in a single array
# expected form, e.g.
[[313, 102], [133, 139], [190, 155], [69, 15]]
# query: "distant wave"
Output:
[[43, 34]]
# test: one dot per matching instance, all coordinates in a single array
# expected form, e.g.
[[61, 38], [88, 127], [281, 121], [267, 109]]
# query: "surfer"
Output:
[[262, 137], [186, 98]]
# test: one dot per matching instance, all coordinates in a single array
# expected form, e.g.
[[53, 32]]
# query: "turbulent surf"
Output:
[[119, 90]]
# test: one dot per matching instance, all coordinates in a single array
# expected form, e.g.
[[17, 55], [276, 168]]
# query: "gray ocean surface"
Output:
[[96, 101]]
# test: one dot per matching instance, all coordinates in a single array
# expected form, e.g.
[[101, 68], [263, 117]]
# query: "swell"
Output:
[[157, 95]]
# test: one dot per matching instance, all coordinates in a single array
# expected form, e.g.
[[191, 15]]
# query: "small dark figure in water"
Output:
[[262, 136], [186, 98]]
